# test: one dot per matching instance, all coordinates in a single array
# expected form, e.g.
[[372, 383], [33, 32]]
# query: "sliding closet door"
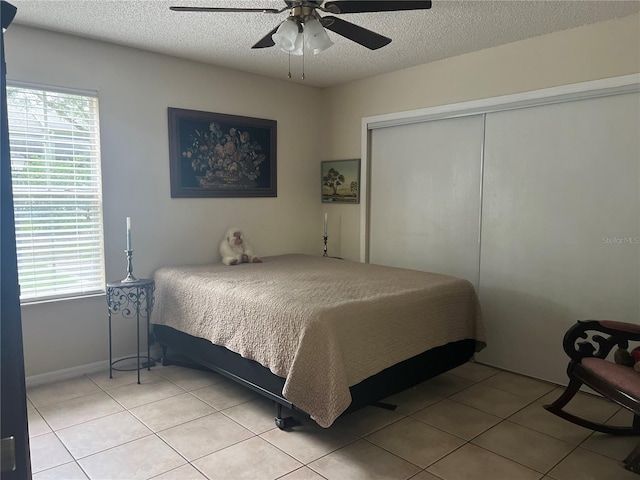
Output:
[[425, 196], [561, 227]]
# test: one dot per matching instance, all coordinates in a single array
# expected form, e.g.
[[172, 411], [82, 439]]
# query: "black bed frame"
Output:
[[251, 374]]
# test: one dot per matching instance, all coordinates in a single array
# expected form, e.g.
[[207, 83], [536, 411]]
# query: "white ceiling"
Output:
[[449, 28]]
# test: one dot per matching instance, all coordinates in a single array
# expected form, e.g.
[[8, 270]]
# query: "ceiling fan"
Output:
[[304, 24]]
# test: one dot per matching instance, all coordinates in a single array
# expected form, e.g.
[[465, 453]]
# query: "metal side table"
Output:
[[131, 300]]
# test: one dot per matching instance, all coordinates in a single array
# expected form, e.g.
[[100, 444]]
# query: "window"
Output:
[[57, 194]]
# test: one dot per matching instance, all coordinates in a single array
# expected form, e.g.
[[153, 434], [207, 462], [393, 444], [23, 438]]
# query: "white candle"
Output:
[[325, 224], [128, 233]]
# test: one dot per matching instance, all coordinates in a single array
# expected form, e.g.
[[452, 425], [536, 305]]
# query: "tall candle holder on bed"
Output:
[[129, 278]]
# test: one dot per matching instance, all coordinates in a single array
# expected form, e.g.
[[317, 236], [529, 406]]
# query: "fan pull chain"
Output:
[[303, 45], [289, 75]]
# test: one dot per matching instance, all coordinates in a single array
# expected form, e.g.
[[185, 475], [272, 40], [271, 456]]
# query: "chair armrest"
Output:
[[620, 327], [618, 333]]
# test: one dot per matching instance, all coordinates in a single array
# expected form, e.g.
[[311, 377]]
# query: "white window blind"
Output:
[[57, 193]]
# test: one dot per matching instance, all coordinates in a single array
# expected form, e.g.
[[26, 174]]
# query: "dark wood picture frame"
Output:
[[220, 155]]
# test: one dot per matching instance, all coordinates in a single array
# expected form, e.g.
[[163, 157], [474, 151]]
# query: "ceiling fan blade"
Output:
[[267, 41], [220, 9], [364, 37], [364, 6]]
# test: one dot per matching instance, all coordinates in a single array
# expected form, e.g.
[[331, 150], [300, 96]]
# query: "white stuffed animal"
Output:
[[234, 249]]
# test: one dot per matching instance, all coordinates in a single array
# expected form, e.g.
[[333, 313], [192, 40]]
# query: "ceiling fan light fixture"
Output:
[[316, 37], [287, 35], [298, 45], [304, 19]]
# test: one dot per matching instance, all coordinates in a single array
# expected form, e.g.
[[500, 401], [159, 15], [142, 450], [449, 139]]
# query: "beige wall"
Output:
[[135, 88], [603, 50]]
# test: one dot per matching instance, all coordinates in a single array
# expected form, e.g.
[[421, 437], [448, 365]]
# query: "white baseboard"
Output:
[[67, 373], [79, 370]]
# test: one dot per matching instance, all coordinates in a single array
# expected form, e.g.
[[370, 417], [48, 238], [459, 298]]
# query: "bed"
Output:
[[318, 334]]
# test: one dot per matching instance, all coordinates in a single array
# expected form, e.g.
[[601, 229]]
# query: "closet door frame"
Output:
[[566, 93]]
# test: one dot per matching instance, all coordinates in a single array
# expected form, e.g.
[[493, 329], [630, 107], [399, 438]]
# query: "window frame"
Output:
[[96, 227]]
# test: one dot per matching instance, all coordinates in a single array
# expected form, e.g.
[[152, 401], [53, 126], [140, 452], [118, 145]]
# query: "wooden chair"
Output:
[[588, 366]]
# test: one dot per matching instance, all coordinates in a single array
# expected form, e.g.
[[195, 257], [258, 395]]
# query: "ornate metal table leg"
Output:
[[110, 354], [138, 330], [148, 296]]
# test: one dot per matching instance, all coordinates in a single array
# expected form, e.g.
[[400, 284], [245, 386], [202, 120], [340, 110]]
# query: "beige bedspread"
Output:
[[324, 324]]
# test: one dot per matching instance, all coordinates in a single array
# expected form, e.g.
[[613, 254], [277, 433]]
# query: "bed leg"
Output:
[[284, 423], [386, 406], [164, 355]]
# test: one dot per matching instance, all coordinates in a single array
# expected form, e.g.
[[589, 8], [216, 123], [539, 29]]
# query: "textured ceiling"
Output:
[[450, 28]]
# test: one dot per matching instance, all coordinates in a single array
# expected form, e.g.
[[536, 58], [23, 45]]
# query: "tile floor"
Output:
[[474, 422]]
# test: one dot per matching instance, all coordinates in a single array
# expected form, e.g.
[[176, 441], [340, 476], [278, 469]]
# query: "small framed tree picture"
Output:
[[340, 181]]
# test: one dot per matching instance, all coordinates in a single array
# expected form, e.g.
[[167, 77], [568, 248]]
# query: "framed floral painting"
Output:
[[340, 181], [219, 155]]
